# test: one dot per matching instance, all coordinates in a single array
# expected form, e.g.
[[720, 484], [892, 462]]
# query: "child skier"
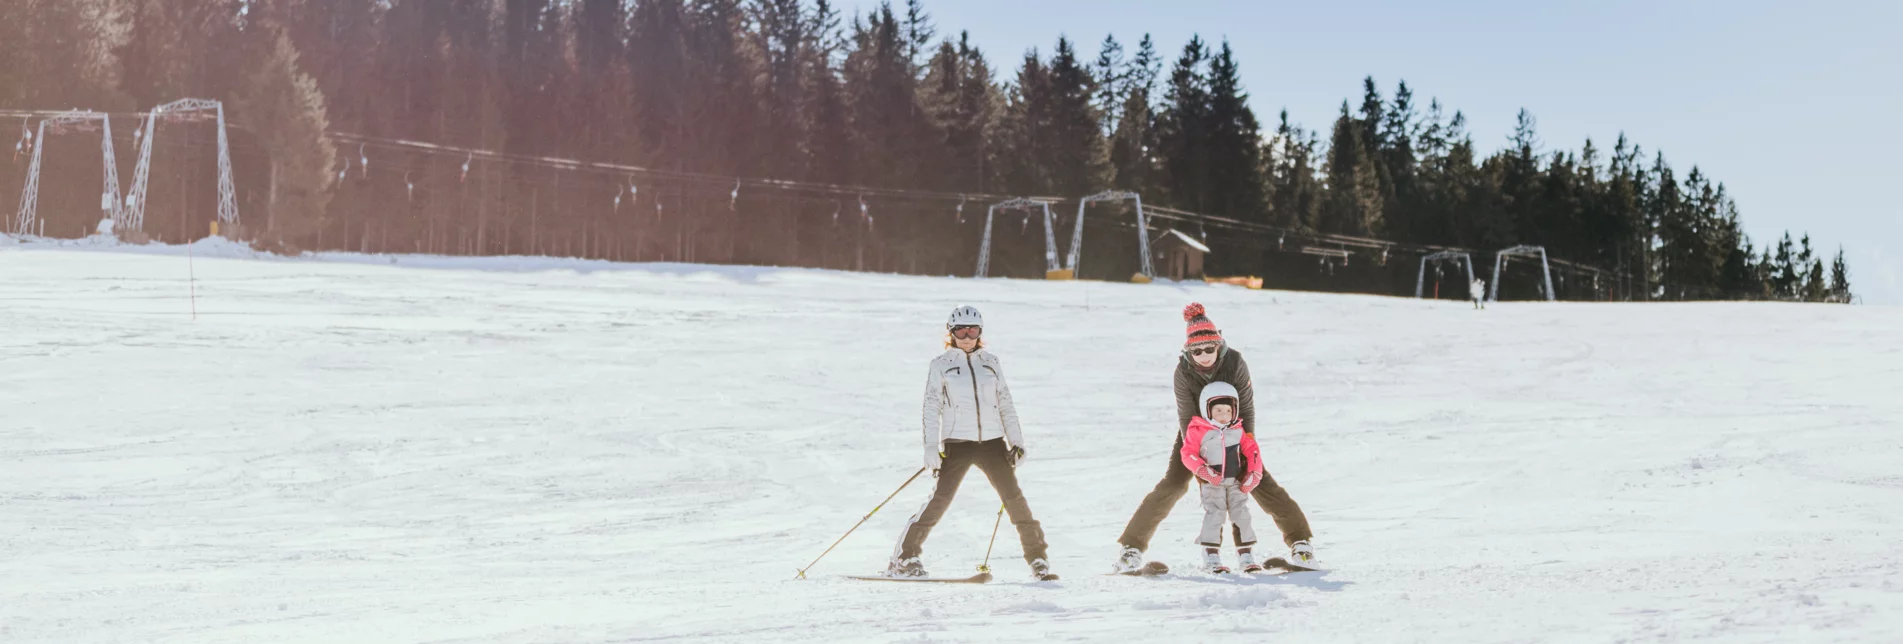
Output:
[[1229, 464], [1478, 291]]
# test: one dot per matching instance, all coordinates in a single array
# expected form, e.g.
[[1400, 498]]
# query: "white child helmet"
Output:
[[1221, 392], [964, 316]]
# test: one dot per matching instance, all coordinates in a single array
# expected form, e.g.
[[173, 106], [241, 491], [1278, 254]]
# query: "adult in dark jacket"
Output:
[[1205, 359]]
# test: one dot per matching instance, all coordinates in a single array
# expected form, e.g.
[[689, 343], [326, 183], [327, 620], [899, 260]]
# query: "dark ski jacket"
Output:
[[1230, 368]]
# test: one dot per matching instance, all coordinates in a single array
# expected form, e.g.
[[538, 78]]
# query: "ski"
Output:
[[974, 579], [1281, 566], [1149, 569]]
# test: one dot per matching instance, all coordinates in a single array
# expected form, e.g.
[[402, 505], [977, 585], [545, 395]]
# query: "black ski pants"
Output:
[[992, 458], [1274, 500]]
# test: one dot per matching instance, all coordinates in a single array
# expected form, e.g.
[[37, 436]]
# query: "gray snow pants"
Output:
[[1223, 504]]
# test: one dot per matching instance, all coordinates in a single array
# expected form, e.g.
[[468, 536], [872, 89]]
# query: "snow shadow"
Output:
[[1315, 580]]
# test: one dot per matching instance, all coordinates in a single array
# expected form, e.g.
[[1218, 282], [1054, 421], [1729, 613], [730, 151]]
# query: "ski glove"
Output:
[[933, 461], [1014, 456], [1209, 475], [1249, 484]]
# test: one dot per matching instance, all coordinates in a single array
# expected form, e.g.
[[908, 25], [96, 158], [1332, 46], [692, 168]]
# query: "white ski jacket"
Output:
[[966, 399], [1476, 289]]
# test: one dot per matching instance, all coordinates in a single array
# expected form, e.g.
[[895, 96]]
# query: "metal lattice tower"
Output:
[[1466, 261], [1546, 271], [1050, 236], [76, 121], [1143, 226], [182, 110]]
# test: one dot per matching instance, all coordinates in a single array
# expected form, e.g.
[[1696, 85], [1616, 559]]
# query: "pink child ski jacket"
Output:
[[1208, 445]]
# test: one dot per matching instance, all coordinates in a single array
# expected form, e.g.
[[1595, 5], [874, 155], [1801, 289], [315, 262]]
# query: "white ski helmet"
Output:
[[964, 316], [1221, 391]]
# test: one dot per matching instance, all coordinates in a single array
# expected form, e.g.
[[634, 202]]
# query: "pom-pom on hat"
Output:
[[1200, 330]]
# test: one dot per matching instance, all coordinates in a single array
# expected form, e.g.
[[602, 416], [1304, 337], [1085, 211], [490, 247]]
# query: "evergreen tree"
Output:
[[1816, 289], [962, 101], [1113, 76], [1802, 261], [286, 110], [827, 134], [1519, 172], [337, 45], [1787, 275], [61, 54], [601, 95], [1764, 273], [530, 76], [1183, 130], [1133, 141], [1236, 170], [725, 128], [1079, 161], [1469, 195], [14, 56], [1839, 278], [1399, 129], [1625, 222], [888, 125], [781, 39], [1739, 278], [1357, 200], [659, 61], [165, 48], [919, 30], [1023, 133], [1813, 286], [1295, 194]]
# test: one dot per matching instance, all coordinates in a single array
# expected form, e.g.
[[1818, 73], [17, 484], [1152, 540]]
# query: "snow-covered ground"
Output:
[[339, 449]]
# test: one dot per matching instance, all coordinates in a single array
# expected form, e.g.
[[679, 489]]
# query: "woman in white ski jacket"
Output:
[[969, 421]]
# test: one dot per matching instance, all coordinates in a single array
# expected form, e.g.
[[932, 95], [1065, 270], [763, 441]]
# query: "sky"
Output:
[[1796, 107]]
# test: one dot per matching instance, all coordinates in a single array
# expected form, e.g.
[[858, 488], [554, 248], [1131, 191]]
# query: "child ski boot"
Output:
[[1248, 562], [1212, 562]]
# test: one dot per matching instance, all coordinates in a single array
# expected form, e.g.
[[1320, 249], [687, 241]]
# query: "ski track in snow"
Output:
[[355, 448]]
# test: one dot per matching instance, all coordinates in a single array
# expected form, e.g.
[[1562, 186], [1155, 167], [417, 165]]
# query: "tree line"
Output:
[[796, 90]]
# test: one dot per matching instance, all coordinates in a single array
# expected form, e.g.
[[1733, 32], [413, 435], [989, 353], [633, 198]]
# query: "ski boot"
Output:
[[905, 569], [1301, 554], [1041, 569], [1129, 561], [1247, 559], [1212, 561]]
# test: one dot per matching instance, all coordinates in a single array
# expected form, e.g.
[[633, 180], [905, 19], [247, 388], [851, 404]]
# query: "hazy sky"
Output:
[[1796, 106]]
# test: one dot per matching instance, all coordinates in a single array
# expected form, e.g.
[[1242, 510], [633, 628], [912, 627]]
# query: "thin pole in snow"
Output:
[[986, 566], [191, 279], [862, 521]]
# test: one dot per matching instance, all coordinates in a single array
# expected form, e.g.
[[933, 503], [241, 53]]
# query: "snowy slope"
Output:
[[517, 450]]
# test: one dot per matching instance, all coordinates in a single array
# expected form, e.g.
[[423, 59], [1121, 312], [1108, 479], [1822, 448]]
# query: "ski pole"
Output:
[[986, 566], [862, 521]]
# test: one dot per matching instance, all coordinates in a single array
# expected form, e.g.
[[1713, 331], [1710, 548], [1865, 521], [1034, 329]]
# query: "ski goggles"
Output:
[[967, 332]]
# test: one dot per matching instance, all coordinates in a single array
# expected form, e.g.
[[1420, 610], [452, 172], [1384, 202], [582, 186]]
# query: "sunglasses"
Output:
[[966, 332], [1197, 351]]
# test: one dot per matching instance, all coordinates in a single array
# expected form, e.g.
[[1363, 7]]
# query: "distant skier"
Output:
[[969, 421], [1205, 359], [1229, 464], [1478, 291]]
